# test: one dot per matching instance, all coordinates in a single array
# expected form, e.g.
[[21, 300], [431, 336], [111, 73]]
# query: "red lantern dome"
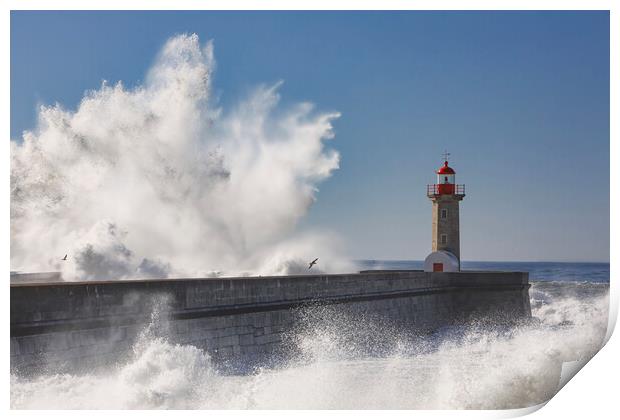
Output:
[[445, 169]]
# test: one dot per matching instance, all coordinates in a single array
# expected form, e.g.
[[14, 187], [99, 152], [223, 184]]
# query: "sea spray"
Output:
[[157, 180], [467, 367]]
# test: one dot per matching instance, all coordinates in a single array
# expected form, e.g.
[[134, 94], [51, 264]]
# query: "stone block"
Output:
[[182, 327], [246, 339], [26, 345], [224, 351], [228, 341], [271, 338], [14, 347]]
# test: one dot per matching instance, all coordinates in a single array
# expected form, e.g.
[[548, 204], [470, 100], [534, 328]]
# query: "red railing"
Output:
[[437, 189]]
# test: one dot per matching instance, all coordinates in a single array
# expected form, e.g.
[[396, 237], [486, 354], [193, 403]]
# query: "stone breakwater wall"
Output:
[[65, 325]]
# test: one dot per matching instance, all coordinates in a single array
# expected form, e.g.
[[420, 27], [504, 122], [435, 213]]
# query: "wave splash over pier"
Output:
[[471, 367], [157, 180]]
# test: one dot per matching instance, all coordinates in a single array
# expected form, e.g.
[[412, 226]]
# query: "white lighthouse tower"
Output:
[[445, 196]]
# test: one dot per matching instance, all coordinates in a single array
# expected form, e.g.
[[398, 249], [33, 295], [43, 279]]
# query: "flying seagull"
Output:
[[312, 263], [64, 258]]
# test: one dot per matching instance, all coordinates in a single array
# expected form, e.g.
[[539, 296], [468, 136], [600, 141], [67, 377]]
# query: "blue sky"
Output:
[[520, 99]]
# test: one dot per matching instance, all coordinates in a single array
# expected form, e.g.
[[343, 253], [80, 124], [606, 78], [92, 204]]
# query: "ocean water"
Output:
[[470, 367], [539, 271]]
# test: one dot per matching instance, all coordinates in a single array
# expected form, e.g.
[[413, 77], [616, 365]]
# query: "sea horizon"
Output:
[[589, 272]]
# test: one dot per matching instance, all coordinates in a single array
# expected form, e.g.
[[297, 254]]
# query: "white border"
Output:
[[309, 5], [594, 390]]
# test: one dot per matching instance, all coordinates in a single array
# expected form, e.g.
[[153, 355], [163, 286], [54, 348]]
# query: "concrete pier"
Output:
[[72, 324]]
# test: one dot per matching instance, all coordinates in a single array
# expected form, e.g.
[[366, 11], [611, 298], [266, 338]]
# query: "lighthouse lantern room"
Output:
[[445, 196]]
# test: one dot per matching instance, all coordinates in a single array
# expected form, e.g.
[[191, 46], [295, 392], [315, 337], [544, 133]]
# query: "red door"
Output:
[[437, 266]]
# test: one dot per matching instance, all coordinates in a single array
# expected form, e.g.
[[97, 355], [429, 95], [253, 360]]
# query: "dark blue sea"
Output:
[[539, 271]]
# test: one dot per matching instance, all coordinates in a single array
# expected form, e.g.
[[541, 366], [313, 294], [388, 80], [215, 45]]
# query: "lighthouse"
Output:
[[445, 195]]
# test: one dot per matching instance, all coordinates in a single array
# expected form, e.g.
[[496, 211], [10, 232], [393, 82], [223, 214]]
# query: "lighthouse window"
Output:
[[444, 213], [444, 239]]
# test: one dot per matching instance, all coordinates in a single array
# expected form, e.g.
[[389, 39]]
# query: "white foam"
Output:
[[158, 181]]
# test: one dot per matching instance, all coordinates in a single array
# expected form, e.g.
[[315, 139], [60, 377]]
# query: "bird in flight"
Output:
[[312, 263], [64, 258]]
